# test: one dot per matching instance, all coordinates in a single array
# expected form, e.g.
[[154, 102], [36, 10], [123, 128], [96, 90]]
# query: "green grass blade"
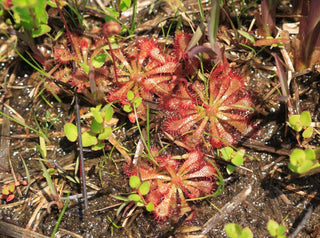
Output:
[[55, 229]]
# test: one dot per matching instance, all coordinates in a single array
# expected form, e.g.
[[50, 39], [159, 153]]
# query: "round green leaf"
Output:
[[310, 154], [238, 158], [71, 132], [5, 190], [272, 227], [137, 101], [130, 95], [307, 132], [134, 182], [305, 118], [230, 168], [226, 153], [41, 30], [295, 123], [96, 113], [134, 197], [150, 207], [98, 146], [297, 156], [232, 230], [99, 60], [246, 233], [96, 126], [127, 108], [25, 3], [88, 139], [11, 187], [105, 133], [144, 188], [108, 113], [305, 166], [124, 5], [85, 67]]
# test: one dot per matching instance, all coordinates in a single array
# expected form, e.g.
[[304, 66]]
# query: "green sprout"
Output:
[[302, 122], [235, 231], [100, 131], [31, 15], [276, 230], [141, 189], [302, 161], [134, 101], [230, 155]]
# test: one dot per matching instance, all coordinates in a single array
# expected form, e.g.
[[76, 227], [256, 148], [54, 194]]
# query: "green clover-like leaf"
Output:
[[71, 132], [96, 126], [135, 197], [134, 182], [301, 161], [226, 153], [98, 146], [305, 118], [144, 188], [238, 158], [99, 60], [96, 113], [234, 231], [137, 101], [230, 168], [108, 112], [124, 5], [130, 95], [295, 123], [127, 108], [275, 229], [150, 207], [88, 139], [307, 133], [106, 132], [5, 190]]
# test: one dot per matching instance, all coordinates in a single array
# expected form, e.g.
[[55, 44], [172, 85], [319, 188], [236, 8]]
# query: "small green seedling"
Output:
[[302, 161], [31, 15], [235, 231], [8, 190], [142, 189], [302, 122], [276, 230], [133, 102], [100, 131], [230, 155]]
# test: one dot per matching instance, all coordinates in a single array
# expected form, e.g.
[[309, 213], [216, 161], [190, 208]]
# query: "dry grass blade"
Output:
[[11, 230], [226, 210]]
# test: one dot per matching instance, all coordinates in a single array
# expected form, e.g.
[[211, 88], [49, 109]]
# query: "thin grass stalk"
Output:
[[55, 229], [134, 16], [83, 177]]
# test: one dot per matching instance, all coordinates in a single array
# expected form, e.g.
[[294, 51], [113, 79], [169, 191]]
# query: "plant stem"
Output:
[[84, 188], [60, 217]]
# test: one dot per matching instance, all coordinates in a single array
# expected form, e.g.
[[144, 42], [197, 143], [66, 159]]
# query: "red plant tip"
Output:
[[7, 4], [111, 28], [83, 44], [132, 118]]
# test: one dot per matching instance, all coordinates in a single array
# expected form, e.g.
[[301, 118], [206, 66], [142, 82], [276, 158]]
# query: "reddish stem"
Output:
[[114, 60], [65, 25]]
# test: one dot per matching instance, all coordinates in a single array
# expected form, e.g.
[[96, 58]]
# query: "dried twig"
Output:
[[226, 210]]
